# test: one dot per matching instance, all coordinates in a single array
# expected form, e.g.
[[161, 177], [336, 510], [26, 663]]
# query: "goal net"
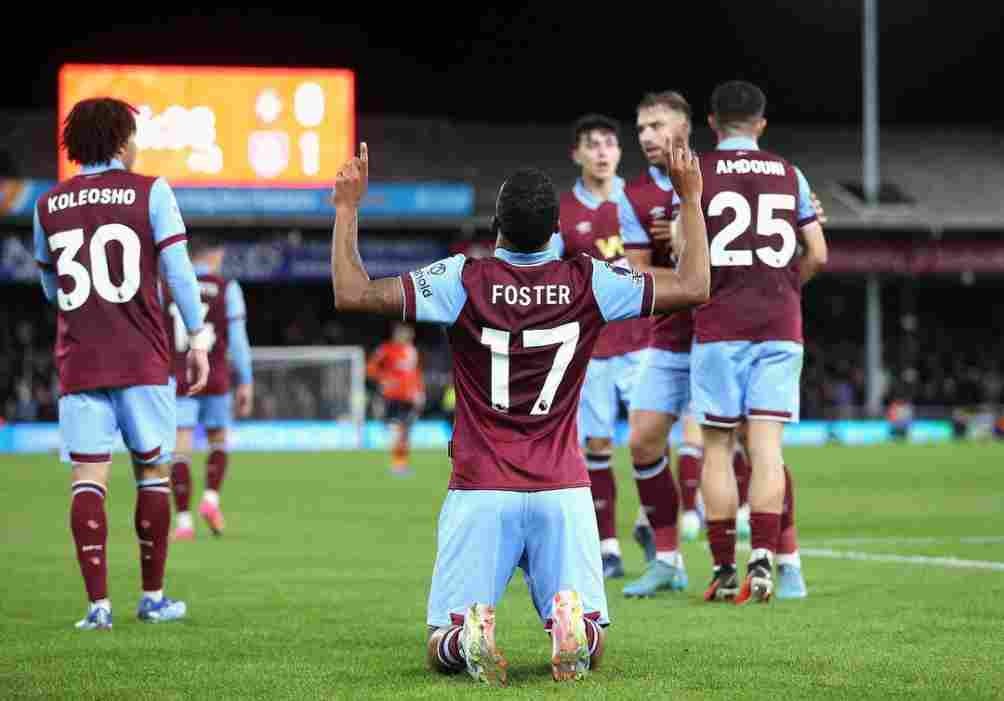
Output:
[[318, 393]]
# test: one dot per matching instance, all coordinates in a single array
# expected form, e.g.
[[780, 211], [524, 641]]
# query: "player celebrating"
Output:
[[662, 388], [396, 366], [522, 328], [223, 302], [103, 239], [747, 355], [589, 223]]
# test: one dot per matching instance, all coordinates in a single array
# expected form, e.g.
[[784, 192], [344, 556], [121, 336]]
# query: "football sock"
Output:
[[741, 466], [216, 467], [787, 544], [689, 468], [722, 540], [449, 654], [659, 498], [181, 482], [764, 530], [604, 489], [153, 524], [90, 535]]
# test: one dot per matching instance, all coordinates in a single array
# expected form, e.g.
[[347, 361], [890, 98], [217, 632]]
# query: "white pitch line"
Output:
[[920, 540], [952, 562]]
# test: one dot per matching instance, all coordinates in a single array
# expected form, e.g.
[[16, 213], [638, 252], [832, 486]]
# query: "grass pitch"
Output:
[[318, 590]]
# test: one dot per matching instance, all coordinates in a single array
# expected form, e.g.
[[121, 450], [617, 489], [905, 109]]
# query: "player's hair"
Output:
[[96, 129], [526, 211], [594, 122], [669, 99], [737, 101]]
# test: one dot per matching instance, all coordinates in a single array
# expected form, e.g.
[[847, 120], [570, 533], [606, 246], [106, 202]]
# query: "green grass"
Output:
[[318, 590]]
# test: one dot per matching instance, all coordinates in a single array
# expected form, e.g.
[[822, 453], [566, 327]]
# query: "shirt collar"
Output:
[[524, 259], [92, 168], [587, 198], [661, 179], [738, 143]]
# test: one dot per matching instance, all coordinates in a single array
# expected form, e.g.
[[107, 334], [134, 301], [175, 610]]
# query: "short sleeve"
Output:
[[621, 293], [633, 234], [806, 212], [436, 292], [165, 216]]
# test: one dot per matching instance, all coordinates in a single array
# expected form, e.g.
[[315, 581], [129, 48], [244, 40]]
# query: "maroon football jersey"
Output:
[[521, 336], [750, 204], [596, 232], [212, 289], [673, 332], [110, 323]]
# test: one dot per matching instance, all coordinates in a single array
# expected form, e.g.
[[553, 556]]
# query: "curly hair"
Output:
[[526, 210], [96, 129]]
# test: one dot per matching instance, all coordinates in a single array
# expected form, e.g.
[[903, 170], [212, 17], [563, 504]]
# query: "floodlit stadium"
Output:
[[334, 426]]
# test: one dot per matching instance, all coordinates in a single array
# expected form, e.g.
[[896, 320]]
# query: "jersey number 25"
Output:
[[767, 225]]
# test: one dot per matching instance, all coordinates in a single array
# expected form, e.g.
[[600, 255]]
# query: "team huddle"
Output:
[[548, 338]]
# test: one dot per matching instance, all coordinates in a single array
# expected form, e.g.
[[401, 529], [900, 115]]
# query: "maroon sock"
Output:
[[153, 524], [741, 466], [722, 540], [658, 496], [449, 653], [216, 468], [604, 490], [689, 467], [764, 530], [181, 484], [592, 635], [787, 542], [90, 535], [788, 509]]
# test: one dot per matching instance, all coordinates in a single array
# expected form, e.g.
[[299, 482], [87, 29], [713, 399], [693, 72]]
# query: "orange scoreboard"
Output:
[[208, 126]]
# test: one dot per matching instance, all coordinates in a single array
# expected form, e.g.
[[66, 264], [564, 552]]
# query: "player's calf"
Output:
[[89, 525], [153, 525], [181, 487], [604, 491]]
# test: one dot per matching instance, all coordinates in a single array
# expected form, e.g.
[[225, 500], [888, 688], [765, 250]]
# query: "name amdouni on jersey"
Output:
[[746, 165], [91, 195], [526, 295]]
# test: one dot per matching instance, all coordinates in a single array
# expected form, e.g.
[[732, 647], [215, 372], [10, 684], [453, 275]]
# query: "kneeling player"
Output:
[[223, 302], [522, 328]]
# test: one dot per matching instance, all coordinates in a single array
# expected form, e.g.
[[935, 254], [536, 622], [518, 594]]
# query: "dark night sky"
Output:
[[549, 65]]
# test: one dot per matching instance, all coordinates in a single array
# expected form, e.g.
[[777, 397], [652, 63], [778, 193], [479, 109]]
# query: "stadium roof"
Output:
[[953, 177]]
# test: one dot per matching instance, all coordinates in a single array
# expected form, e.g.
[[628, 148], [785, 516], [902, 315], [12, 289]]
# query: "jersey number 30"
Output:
[[498, 341], [68, 244], [767, 225]]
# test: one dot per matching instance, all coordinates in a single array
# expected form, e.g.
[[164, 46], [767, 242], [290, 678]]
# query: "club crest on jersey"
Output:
[[584, 227], [657, 212], [437, 269]]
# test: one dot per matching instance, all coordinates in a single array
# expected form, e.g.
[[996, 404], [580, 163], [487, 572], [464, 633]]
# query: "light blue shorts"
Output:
[[736, 379], [609, 382], [484, 535], [209, 411], [663, 382], [90, 424]]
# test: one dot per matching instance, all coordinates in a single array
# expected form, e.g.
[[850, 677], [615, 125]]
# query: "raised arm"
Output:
[[354, 291], [688, 285]]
